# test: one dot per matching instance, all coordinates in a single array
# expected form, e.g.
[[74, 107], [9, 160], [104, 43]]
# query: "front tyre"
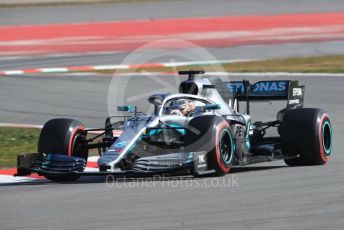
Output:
[[66, 137], [213, 135], [308, 133]]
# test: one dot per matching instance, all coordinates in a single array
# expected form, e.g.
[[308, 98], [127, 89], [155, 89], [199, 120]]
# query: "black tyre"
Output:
[[308, 133], [213, 135], [63, 136]]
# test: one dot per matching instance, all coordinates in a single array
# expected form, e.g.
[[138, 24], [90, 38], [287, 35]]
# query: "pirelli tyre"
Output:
[[306, 132], [63, 136], [212, 134]]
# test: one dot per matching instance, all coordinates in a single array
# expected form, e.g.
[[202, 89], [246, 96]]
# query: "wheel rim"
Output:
[[226, 147], [77, 149], [327, 137]]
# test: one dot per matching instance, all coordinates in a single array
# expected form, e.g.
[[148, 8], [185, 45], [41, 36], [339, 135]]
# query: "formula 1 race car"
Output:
[[198, 131]]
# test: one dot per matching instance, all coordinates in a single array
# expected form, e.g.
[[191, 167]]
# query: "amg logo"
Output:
[[297, 92]]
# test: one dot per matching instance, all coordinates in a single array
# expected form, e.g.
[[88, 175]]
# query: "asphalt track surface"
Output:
[[163, 9], [260, 197], [92, 97]]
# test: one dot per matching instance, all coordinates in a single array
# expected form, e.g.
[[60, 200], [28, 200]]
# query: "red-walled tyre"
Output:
[[308, 133], [63, 136], [213, 135]]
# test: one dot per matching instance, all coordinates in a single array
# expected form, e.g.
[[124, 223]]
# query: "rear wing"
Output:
[[287, 90]]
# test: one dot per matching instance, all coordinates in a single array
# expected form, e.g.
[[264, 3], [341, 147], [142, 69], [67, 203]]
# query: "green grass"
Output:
[[14, 141], [320, 64]]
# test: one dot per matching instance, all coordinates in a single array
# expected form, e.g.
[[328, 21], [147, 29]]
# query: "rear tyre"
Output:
[[63, 136], [213, 135], [308, 133]]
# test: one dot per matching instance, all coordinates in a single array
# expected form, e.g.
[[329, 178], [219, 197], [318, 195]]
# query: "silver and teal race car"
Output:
[[198, 131]]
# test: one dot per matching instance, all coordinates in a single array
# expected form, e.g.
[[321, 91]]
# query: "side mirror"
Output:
[[125, 108], [212, 107]]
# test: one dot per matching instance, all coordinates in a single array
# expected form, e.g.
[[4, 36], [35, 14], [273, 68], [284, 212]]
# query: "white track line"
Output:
[[73, 69]]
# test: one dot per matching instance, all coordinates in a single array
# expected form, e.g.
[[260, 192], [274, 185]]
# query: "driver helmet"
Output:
[[185, 106]]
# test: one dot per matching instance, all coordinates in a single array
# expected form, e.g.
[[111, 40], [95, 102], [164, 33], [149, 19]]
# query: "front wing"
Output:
[[62, 165]]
